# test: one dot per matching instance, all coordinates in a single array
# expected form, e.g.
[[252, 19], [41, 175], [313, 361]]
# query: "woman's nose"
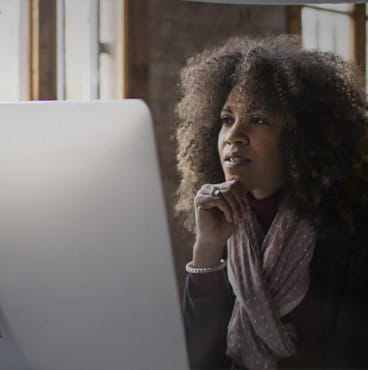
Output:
[[237, 135]]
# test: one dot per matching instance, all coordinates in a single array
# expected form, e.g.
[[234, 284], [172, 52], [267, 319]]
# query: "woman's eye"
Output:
[[226, 120], [257, 120]]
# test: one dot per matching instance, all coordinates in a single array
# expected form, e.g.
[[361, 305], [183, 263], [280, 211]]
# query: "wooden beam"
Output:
[[33, 50], [359, 35], [294, 19], [135, 50], [124, 39], [43, 72]]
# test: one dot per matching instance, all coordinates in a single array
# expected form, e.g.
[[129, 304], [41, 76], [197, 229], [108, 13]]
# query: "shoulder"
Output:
[[345, 251], [359, 236], [361, 217]]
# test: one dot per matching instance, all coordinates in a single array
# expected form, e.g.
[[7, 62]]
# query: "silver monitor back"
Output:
[[87, 277]]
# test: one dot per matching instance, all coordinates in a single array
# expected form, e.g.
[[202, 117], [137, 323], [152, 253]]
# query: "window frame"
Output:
[[135, 46], [42, 84], [42, 68], [358, 29]]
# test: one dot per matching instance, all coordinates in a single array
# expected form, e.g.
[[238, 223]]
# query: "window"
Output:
[[328, 27], [61, 49], [14, 56], [341, 28], [89, 49]]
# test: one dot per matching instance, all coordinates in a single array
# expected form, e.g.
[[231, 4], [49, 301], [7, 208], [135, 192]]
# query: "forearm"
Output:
[[206, 255], [206, 320]]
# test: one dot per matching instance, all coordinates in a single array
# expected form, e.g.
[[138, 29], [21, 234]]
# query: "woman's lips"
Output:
[[238, 162]]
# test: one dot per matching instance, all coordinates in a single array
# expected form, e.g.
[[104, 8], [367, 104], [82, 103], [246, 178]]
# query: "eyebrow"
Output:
[[226, 109], [258, 111], [254, 110]]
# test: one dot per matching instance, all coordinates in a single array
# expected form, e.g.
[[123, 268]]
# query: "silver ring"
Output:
[[216, 192]]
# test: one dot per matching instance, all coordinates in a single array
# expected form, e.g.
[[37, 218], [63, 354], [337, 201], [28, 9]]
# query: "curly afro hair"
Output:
[[324, 138]]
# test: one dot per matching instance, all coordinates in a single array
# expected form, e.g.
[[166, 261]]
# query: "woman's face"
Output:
[[248, 145]]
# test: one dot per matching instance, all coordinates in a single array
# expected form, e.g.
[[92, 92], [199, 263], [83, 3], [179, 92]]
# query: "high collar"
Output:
[[266, 208]]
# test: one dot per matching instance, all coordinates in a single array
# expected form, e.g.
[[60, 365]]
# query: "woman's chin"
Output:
[[242, 181]]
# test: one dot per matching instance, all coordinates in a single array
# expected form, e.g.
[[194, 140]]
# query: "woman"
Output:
[[273, 143]]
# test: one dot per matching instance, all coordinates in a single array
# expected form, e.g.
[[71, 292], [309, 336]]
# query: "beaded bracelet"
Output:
[[204, 270]]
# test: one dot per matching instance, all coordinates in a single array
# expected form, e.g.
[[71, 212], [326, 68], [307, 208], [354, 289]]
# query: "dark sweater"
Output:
[[331, 322]]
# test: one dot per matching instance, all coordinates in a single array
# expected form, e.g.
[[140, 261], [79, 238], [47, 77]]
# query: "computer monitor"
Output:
[[87, 278]]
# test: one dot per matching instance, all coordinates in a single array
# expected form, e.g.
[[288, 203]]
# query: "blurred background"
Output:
[[109, 49]]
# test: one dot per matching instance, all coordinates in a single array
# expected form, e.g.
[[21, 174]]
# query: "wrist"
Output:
[[206, 254], [204, 270]]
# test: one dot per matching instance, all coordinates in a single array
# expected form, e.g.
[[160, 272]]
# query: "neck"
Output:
[[265, 208]]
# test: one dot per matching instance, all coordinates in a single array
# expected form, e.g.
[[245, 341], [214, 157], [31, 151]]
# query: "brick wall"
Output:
[[177, 30]]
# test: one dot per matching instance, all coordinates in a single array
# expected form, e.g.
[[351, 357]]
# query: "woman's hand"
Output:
[[216, 219]]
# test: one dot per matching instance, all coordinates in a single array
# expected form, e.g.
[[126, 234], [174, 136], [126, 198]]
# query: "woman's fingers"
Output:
[[238, 192], [234, 204], [206, 202], [229, 200], [233, 195]]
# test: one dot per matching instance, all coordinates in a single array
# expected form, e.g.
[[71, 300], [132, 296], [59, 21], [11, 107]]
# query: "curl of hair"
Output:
[[324, 138]]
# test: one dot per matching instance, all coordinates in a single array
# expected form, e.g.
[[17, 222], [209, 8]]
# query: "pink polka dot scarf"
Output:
[[270, 277]]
